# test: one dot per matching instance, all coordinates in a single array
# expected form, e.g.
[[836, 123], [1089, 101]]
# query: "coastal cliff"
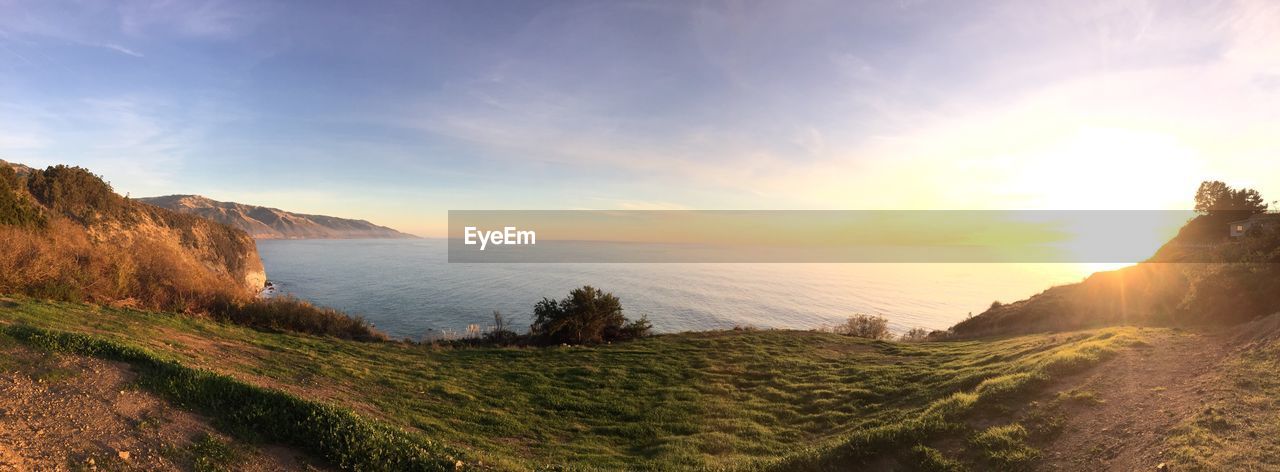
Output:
[[272, 223], [68, 235]]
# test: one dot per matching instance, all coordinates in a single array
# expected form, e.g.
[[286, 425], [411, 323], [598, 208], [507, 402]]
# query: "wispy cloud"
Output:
[[122, 50], [977, 110], [217, 19]]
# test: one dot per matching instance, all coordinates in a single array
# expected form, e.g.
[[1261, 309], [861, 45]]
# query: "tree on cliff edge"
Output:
[[1215, 198]]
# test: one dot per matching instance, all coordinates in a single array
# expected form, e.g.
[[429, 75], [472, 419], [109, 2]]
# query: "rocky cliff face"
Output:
[[220, 248], [272, 223]]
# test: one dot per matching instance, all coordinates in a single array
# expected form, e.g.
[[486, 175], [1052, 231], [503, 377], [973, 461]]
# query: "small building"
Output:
[[1240, 228]]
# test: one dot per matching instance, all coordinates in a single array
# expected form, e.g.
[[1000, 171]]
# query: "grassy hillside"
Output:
[[1200, 278], [737, 399]]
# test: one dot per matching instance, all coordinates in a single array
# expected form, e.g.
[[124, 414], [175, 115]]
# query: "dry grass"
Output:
[[63, 262], [92, 245]]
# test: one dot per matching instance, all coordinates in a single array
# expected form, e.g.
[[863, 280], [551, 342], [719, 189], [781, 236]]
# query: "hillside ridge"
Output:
[[1200, 277], [273, 223]]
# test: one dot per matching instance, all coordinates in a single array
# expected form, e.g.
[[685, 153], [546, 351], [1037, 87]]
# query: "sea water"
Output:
[[407, 288]]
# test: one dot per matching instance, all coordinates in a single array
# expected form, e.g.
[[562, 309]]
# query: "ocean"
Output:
[[407, 288]]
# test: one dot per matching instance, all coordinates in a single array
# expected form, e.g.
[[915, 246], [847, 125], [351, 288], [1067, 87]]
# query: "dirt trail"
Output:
[[60, 412], [1145, 392]]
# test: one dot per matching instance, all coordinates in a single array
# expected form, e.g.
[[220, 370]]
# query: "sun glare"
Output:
[[1091, 267], [1110, 168]]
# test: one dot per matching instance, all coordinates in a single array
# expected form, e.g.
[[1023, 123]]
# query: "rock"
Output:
[[1162, 467], [124, 455]]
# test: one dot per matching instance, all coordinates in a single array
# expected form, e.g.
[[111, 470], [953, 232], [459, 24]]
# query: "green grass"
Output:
[[1236, 428], [1005, 446], [1082, 397], [210, 454], [932, 460], [730, 399]]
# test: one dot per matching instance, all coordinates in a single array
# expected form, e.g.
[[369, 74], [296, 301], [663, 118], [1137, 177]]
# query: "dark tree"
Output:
[[14, 209], [1216, 198], [587, 315], [75, 192]]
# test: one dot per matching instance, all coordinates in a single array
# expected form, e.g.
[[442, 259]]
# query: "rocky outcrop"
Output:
[[220, 248]]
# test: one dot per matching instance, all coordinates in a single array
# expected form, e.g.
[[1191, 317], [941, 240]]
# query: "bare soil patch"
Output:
[[1139, 398], [61, 412]]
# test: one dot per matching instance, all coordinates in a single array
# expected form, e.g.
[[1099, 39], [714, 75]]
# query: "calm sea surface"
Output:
[[407, 287]]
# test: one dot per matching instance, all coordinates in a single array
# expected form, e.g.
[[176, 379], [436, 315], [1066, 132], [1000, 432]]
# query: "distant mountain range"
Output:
[[272, 223]]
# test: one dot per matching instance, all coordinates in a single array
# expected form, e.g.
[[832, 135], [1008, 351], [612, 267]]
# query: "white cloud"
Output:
[[122, 50]]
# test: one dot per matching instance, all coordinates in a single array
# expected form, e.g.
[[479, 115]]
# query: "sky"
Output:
[[396, 112]]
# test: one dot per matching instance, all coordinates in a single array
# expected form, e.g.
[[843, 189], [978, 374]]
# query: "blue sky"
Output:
[[398, 111]]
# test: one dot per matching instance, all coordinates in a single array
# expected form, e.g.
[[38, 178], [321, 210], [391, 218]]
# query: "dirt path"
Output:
[[60, 412], [1145, 392]]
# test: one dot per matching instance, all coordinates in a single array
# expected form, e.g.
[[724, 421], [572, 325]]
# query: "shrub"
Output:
[[586, 316], [865, 326], [287, 313], [635, 329], [914, 335], [502, 334]]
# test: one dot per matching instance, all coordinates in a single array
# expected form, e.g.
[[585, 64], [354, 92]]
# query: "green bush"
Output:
[[914, 335], [865, 326], [586, 316]]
